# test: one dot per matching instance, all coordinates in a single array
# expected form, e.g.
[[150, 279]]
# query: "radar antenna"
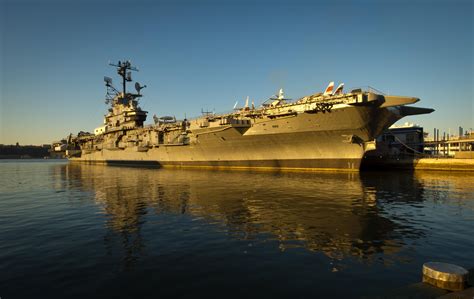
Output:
[[122, 70], [206, 112], [112, 92], [138, 87]]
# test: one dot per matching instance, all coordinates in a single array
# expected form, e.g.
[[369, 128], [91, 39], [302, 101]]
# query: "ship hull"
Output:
[[330, 141]]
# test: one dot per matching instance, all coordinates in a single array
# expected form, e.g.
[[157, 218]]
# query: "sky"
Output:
[[195, 55]]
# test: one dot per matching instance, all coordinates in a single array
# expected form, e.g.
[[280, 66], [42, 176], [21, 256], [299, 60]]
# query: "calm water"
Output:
[[95, 231]]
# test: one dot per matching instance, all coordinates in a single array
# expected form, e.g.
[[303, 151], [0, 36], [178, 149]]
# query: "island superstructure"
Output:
[[329, 130]]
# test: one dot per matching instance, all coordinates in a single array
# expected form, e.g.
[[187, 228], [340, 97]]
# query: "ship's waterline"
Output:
[[268, 165]]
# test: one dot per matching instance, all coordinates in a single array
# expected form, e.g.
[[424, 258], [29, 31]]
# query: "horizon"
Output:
[[210, 55]]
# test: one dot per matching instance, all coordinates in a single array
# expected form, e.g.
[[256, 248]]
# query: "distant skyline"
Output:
[[209, 54]]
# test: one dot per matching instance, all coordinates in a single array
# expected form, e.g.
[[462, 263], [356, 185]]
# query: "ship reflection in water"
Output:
[[337, 214]]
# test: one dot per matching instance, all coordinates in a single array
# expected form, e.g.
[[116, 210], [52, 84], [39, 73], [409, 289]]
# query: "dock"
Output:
[[415, 163]]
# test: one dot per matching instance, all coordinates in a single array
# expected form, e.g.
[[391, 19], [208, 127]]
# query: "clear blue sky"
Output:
[[208, 54]]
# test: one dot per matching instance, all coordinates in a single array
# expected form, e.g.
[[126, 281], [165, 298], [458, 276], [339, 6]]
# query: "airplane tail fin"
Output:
[[329, 89], [339, 89], [281, 94]]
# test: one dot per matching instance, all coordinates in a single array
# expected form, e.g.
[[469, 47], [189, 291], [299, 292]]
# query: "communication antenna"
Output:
[[206, 112], [122, 69], [138, 87]]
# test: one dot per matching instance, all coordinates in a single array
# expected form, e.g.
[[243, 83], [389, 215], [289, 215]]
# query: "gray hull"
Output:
[[332, 140]]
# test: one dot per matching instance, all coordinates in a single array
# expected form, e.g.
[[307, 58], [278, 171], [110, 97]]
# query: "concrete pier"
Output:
[[444, 164]]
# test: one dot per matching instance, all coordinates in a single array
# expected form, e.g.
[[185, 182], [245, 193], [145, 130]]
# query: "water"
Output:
[[95, 231]]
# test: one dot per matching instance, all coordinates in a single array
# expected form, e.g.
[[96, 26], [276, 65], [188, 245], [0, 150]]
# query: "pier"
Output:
[[407, 147]]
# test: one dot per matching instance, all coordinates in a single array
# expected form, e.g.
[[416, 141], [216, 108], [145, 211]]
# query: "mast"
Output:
[[122, 102], [122, 70]]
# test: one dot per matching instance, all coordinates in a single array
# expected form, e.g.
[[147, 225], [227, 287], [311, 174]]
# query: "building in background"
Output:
[[399, 141], [447, 145], [58, 149]]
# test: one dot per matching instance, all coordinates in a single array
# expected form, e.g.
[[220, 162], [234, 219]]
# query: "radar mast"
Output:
[[124, 69], [113, 95]]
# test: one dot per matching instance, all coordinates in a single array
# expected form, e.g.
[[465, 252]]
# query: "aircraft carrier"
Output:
[[328, 130]]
